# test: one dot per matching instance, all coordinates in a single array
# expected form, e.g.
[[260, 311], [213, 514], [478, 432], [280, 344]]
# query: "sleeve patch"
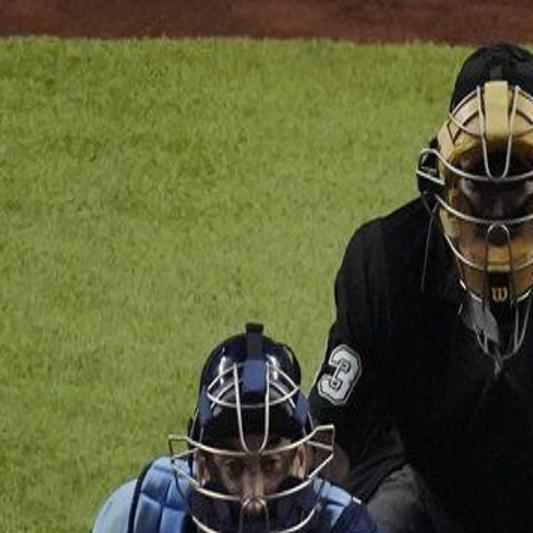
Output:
[[338, 386]]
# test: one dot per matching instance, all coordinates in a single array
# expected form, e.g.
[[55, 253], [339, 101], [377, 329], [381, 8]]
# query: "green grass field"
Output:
[[155, 195]]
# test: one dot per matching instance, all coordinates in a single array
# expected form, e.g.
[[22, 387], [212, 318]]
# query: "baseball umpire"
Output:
[[243, 466], [428, 372]]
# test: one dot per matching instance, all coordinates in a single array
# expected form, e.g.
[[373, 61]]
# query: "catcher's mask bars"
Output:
[[477, 178], [250, 387]]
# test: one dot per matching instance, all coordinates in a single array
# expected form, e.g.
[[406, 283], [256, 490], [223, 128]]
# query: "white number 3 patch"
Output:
[[337, 387]]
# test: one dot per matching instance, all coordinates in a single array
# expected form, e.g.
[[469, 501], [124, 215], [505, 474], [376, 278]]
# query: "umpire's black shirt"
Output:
[[399, 357]]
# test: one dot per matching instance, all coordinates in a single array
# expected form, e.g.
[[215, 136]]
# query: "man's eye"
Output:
[[233, 468], [271, 465]]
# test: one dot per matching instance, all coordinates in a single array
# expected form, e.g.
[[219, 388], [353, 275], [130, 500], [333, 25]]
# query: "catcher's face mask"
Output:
[[256, 475], [481, 176], [247, 448]]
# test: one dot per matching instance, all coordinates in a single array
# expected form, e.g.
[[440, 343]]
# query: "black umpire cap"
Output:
[[500, 61]]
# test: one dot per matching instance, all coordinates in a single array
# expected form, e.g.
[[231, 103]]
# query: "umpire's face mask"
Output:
[[479, 171], [489, 226]]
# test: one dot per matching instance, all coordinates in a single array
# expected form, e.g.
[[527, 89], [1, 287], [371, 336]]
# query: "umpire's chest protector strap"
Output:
[[157, 507]]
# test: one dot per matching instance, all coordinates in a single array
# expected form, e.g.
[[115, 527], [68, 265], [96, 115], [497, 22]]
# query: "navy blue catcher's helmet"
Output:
[[268, 393], [250, 385]]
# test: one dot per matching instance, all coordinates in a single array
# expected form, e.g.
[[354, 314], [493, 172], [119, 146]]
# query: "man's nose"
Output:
[[253, 489]]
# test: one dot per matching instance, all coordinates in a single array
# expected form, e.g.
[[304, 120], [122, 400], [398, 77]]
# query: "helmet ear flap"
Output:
[[427, 174], [427, 164]]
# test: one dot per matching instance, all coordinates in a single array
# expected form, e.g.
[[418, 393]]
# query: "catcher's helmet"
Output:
[[477, 178], [250, 386]]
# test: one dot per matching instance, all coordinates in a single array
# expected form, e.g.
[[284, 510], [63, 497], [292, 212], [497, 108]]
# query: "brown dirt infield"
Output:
[[453, 21]]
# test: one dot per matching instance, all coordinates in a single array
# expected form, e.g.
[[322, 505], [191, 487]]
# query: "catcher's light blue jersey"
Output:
[[153, 504]]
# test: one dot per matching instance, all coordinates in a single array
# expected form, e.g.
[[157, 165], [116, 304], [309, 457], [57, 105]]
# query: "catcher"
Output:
[[243, 465]]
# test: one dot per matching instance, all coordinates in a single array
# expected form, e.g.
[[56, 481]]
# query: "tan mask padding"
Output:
[[474, 280], [496, 110], [449, 224], [460, 137]]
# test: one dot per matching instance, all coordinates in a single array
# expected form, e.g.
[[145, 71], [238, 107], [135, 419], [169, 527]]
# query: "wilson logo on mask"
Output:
[[499, 294]]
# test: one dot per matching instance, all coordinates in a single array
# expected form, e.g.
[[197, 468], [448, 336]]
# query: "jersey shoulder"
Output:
[[398, 235], [342, 512], [383, 260], [158, 503], [113, 516]]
